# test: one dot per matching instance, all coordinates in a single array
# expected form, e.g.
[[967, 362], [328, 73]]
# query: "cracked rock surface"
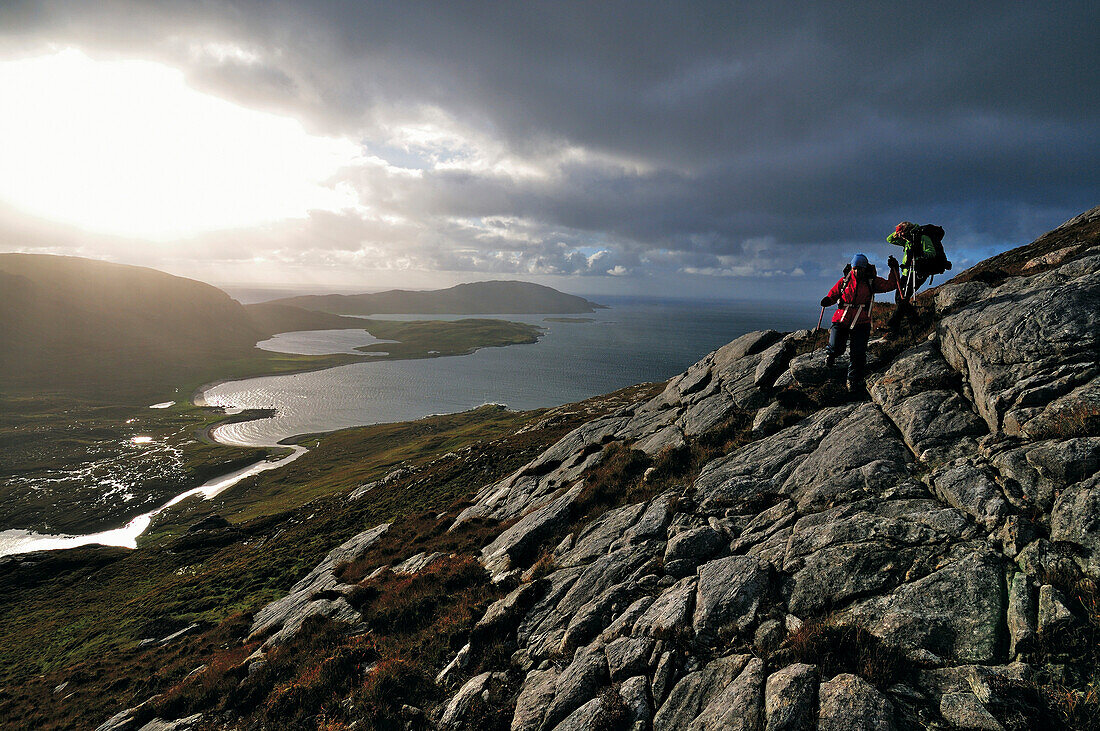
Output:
[[930, 517]]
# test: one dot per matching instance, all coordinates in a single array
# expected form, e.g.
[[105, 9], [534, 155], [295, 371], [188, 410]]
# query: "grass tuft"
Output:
[[837, 647]]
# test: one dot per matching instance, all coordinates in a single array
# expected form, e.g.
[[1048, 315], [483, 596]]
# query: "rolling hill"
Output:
[[475, 298], [66, 319], [72, 324]]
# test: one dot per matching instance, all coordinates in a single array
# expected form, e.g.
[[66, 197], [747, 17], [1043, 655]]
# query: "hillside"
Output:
[[476, 298], [66, 319], [747, 546], [272, 318], [99, 330]]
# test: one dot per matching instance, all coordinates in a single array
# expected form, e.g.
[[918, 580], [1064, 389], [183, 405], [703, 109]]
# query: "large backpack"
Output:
[[938, 264]]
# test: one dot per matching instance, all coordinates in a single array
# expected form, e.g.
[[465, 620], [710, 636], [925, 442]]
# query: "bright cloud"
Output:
[[127, 148]]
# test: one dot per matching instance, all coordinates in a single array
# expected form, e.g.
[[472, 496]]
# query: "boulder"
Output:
[[653, 521], [707, 413], [337, 610], [670, 611], [604, 573], [965, 711], [477, 687], [1076, 520], [624, 623], [593, 617], [635, 696], [670, 437], [595, 539], [545, 477], [576, 685], [416, 564], [1022, 615], [589, 717], [534, 697], [769, 635], [954, 613], [628, 656], [1054, 615], [746, 345], [919, 394], [766, 523], [952, 296], [180, 724], [773, 361], [728, 593], [759, 469], [972, 488], [505, 614], [737, 707], [858, 457], [808, 369], [849, 702], [301, 603], [663, 676], [693, 546], [521, 540], [833, 575], [790, 698], [1032, 340], [696, 690], [768, 420]]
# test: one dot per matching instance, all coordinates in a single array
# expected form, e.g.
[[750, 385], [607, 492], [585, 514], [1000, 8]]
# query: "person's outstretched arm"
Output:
[[887, 285], [834, 294]]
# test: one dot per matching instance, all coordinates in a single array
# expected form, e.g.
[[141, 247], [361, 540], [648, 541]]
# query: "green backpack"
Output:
[[930, 266]]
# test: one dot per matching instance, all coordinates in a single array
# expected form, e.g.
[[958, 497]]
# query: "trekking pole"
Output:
[[819, 319]]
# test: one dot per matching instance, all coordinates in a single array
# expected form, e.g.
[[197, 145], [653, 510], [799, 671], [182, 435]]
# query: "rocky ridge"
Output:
[[943, 520]]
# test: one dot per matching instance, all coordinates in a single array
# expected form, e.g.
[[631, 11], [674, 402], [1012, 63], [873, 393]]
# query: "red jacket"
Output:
[[858, 292]]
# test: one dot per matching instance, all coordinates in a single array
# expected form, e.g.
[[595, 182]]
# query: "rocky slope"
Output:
[[926, 558]]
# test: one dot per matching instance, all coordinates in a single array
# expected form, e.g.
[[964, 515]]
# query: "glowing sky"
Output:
[[126, 147], [703, 149]]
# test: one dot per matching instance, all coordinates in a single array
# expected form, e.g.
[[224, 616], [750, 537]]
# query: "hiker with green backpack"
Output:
[[855, 292], [923, 258]]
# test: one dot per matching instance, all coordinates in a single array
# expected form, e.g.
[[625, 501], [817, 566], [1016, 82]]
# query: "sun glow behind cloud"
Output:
[[127, 148]]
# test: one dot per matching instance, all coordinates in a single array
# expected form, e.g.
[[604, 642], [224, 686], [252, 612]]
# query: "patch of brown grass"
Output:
[[389, 685], [423, 532], [616, 480], [837, 647], [400, 604], [335, 673], [544, 565], [321, 681]]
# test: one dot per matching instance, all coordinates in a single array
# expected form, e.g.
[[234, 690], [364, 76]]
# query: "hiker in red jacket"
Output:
[[852, 321]]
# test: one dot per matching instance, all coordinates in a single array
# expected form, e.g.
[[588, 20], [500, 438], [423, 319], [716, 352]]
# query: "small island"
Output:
[[439, 338]]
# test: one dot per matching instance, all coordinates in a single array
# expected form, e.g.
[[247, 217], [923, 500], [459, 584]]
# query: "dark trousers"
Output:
[[839, 337], [905, 309]]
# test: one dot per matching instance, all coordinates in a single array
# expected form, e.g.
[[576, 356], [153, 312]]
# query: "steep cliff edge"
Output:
[[753, 549]]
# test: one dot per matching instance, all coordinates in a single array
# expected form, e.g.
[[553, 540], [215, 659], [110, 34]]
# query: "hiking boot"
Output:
[[830, 361]]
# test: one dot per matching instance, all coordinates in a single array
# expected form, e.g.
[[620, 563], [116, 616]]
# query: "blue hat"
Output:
[[859, 260]]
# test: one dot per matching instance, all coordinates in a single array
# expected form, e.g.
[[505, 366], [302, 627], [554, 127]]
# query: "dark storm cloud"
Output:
[[704, 128]]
